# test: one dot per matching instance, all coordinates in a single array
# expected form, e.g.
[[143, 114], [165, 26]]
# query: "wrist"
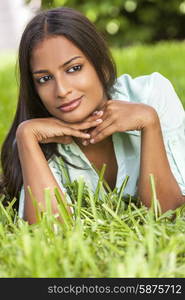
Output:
[[151, 119], [23, 133]]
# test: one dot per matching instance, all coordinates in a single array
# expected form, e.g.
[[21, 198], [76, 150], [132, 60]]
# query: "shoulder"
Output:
[[138, 89]]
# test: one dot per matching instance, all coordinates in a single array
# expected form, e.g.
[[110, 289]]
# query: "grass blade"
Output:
[[80, 195], [121, 192], [35, 204], [62, 207]]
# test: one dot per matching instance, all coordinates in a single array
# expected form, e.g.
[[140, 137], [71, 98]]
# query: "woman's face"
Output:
[[65, 80]]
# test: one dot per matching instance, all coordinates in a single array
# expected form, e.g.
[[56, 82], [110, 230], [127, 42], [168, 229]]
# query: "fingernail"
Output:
[[87, 135], [99, 120], [84, 143], [95, 112], [100, 113], [92, 141]]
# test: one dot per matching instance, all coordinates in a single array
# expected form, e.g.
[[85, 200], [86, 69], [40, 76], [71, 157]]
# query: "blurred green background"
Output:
[[126, 22]]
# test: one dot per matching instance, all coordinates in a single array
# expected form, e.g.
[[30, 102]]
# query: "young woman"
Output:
[[71, 105]]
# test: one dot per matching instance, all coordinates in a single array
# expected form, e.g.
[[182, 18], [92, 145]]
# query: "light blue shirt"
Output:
[[154, 90]]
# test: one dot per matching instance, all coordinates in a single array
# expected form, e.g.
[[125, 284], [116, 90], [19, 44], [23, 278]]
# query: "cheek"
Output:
[[44, 94], [81, 83], [89, 83]]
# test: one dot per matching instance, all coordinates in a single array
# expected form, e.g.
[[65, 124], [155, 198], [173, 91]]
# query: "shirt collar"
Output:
[[68, 150]]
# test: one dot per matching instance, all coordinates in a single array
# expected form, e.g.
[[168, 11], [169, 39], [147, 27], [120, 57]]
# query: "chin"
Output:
[[73, 119], [76, 117]]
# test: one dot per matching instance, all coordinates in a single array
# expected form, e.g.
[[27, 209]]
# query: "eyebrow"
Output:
[[66, 63]]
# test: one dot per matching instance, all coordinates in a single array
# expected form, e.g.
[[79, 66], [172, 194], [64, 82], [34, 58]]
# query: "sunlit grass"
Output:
[[166, 58], [8, 92], [101, 241]]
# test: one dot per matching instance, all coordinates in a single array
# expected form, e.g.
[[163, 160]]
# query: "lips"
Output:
[[66, 107]]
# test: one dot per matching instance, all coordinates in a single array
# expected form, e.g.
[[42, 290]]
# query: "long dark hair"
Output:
[[54, 22]]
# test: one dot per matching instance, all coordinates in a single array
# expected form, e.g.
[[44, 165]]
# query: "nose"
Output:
[[63, 88]]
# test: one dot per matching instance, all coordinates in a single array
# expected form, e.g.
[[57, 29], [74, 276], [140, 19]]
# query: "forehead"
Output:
[[54, 49]]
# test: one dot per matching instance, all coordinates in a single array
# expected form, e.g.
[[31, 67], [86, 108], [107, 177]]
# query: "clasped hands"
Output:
[[118, 116]]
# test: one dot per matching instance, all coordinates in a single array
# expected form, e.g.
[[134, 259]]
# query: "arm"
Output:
[[154, 160], [35, 170], [36, 174], [120, 116]]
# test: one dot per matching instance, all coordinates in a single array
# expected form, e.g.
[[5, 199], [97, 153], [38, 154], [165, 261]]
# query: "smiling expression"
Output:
[[65, 80]]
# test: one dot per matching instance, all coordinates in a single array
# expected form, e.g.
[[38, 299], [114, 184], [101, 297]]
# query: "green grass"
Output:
[[8, 92], [111, 235], [165, 57], [102, 240]]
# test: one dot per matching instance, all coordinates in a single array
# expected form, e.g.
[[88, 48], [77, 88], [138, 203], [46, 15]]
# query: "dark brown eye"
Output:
[[44, 79], [74, 69]]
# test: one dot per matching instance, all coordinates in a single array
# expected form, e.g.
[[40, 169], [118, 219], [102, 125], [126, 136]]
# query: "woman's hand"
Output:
[[121, 116], [52, 130]]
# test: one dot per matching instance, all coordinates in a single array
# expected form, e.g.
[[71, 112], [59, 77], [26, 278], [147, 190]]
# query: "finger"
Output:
[[87, 124], [102, 107], [64, 135], [58, 140], [68, 131], [76, 133], [101, 127], [96, 113], [103, 134], [91, 121], [86, 142], [96, 132]]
